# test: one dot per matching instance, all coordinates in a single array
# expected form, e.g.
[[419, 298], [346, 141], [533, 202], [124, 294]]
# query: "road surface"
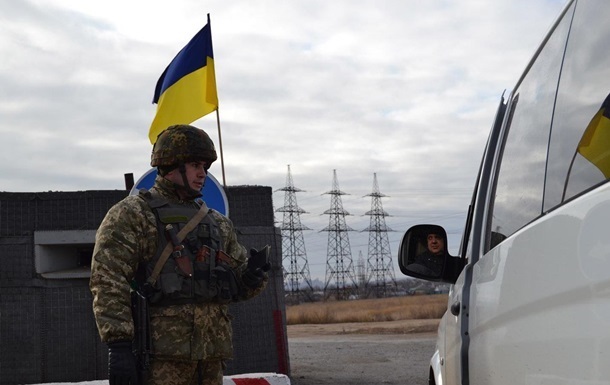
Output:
[[360, 359]]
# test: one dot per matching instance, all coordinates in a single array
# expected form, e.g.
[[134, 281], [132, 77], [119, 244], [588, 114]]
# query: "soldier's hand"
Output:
[[259, 259], [258, 264], [253, 278], [122, 368]]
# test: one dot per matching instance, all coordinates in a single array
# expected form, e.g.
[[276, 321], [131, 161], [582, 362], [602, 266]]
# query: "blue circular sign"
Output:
[[213, 193]]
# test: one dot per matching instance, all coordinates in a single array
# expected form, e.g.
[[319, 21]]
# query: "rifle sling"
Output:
[[203, 210]]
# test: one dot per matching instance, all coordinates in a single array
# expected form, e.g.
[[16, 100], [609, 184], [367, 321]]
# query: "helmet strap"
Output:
[[191, 193]]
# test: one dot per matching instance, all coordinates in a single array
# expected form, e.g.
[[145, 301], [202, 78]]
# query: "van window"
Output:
[[520, 178], [577, 161]]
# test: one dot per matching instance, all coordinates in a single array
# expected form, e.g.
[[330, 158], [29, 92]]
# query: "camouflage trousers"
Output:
[[168, 372]]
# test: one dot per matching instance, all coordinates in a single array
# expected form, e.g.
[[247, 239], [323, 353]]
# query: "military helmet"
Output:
[[181, 144]]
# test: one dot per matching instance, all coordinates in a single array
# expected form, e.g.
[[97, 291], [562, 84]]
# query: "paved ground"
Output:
[[390, 353]]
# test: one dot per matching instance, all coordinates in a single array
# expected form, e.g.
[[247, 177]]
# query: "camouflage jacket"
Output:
[[127, 237]]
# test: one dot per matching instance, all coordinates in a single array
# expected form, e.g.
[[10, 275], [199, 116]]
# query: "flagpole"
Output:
[[222, 162], [565, 185]]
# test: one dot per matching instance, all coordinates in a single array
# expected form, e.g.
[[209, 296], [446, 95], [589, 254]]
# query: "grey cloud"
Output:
[[402, 88]]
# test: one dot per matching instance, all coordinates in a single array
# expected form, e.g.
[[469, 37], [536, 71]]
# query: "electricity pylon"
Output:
[[340, 277], [297, 281], [380, 280]]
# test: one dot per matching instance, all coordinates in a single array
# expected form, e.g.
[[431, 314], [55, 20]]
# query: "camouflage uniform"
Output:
[[126, 238]]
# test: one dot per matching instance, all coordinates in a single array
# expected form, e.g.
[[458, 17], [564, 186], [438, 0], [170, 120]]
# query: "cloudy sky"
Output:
[[405, 89]]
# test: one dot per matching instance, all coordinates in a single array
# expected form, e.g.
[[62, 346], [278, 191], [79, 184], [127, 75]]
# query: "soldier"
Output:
[[187, 277]]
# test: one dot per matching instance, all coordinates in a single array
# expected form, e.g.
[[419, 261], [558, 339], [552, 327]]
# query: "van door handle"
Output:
[[455, 308]]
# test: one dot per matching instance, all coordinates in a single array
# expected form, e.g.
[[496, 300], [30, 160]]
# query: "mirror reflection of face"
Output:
[[436, 244]]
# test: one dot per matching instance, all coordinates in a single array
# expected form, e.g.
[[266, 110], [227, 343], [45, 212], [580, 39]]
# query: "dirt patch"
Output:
[[387, 327]]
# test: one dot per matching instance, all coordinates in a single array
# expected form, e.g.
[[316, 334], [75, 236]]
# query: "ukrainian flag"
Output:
[[186, 90], [595, 142]]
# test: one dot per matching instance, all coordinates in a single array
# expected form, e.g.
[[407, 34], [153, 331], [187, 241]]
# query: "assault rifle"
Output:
[[142, 341]]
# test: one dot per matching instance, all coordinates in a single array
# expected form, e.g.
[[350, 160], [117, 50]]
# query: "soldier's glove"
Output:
[[259, 259], [258, 264], [122, 369]]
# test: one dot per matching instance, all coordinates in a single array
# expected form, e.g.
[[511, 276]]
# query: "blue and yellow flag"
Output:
[[186, 90], [595, 142]]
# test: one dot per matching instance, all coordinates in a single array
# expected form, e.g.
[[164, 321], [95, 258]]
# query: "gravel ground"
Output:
[[346, 354]]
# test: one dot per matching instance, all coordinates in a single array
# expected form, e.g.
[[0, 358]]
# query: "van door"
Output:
[[541, 289], [508, 276], [454, 325]]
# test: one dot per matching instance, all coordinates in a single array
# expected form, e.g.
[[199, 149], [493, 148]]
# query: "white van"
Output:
[[530, 300]]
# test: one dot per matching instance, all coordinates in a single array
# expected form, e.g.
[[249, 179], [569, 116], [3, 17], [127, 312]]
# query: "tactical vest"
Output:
[[198, 270]]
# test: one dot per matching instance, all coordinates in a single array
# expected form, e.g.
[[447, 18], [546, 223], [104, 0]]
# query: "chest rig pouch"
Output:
[[197, 270]]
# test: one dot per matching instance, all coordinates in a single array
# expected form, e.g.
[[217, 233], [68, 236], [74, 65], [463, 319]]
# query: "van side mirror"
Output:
[[423, 254]]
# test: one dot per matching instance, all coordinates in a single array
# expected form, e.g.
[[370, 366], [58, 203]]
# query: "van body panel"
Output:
[[452, 338], [436, 367], [540, 306]]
